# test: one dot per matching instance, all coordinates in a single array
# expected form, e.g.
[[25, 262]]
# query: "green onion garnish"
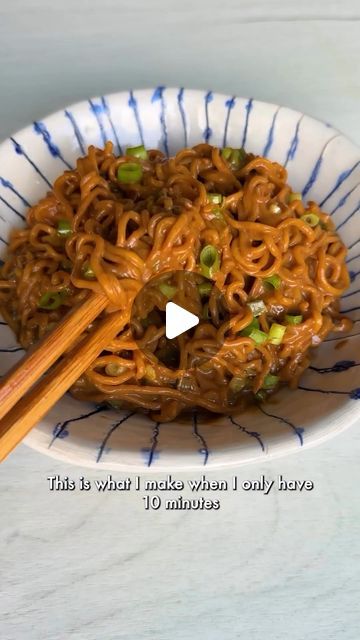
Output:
[[167, 290], [113, 369], [137, 152], [150, 373], [235, 157], [205, 311], [293, 319], [204, 289], [258, 336], [257, 307], [52, 300], [209, 261], [64, 228], [214, 198], [274, 280], [260, 396], [129, 172], [270, 381], [311, 219], [254, 324], [294, 196], [88, 272], [116, 404], [276, 333], [236, 384]]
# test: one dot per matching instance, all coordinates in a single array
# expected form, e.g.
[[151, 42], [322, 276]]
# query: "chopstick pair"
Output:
[[25, 397]]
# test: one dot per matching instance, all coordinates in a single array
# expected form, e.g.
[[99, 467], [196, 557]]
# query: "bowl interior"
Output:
[[322, 164]]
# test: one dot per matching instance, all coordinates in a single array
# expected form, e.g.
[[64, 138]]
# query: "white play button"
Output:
[[178, 320]]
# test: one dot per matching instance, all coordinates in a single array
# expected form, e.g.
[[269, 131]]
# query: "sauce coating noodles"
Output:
[[114, 223]]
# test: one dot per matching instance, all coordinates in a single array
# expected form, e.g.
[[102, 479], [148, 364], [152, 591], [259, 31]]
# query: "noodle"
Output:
[[134, 241]]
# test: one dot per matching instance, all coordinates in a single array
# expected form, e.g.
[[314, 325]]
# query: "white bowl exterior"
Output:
[[322, 164]]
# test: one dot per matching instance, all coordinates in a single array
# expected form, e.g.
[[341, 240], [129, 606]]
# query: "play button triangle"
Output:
[[178, 320]]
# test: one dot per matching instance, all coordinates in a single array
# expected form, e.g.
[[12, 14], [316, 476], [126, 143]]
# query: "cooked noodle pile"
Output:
[[114, 223]]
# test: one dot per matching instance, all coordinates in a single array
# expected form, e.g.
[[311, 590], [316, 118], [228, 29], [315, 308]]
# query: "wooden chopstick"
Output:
[[31, 408], [34, 364]]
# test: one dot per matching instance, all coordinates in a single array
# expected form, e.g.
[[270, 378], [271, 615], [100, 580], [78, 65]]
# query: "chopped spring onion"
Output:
[[167, 290], [204, 289], [257, 307], [150, 373], [236, 384], [293, 319], [294, 196], [254, 324], [209, 260], [206, 312], [235, 157], [214, 198], [113, 369], [137, 152], [276, 333], [270, 381], [129, 172], [311, 219], [116, 404], [274, 208], [64, 228], [258, 336], [274, 280], [52, 300], [260, 396], [217, 213], [88, 272]]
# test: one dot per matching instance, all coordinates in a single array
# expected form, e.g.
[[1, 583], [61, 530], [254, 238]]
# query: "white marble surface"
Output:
[[90, 566]]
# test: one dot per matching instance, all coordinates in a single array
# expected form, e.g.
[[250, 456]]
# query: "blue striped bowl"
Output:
[[321, 163]]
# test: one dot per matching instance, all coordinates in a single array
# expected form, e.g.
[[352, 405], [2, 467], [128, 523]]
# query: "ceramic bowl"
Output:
[[322, 164]]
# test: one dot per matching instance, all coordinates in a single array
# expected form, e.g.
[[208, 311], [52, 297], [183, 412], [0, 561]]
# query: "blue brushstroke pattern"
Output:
[[41, 129], [8, 185], [11, 209], [21, 152], [4, 241], [229, 104], [354, 394], [299, 431], [343, 200], [248, 108], [348, 217], [158, 95], [344, 337], [132, 102], [294, 143], [113, 428], [353, 258], [60, 427], [154, 444], [341, 365], [252, 434], [97, 110], [106, 107], [341, 179], [204, 448], [270, 138], [12, 350], [208, 131], [180, 100], [353, 244], [316, 169], [81, 142]]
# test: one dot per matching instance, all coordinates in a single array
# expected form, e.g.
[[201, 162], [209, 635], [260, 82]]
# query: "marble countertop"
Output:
[[99, 566]]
